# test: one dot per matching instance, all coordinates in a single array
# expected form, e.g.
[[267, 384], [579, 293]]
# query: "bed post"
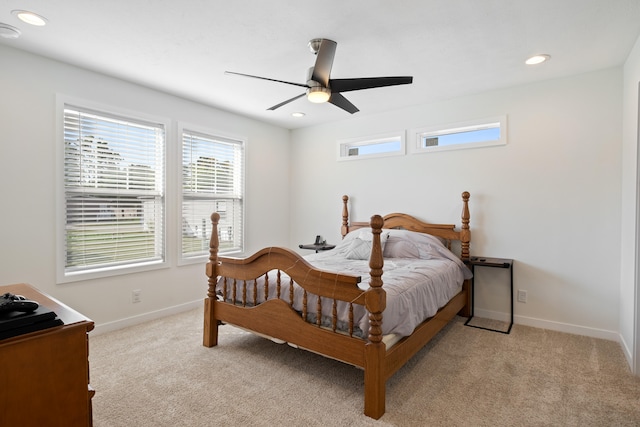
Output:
[[210, 336], [375, 300], [465, 238], [465, 234], [345, 216]]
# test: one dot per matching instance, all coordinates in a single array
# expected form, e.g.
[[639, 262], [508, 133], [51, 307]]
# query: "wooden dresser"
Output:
[[44, 375]]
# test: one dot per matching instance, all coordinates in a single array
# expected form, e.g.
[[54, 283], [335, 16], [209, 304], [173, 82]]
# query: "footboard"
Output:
[[277, 293]]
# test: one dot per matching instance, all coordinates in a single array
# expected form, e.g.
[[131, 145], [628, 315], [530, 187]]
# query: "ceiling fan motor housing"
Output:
[[310, 82]]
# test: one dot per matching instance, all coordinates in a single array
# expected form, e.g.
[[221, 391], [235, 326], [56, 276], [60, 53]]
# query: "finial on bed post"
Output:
[[376, 299], [214, 244], [345, 216], [465, 234]]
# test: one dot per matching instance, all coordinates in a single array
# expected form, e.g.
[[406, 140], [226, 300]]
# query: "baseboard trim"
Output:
[[550, 325], [628, 354], [145, 317]]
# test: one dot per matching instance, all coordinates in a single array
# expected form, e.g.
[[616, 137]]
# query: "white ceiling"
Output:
[[450, 47]]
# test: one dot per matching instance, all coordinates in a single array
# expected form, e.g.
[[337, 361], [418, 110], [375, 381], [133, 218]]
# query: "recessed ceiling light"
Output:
[[30, 17], [9, 32], [537, 59], [298, 114]]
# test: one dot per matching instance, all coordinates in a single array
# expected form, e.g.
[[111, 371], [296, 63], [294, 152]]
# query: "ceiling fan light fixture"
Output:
[[537, 59], [318, 94]]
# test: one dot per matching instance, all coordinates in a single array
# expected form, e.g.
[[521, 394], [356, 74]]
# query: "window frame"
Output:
[[183, 127], [345, 144], [109, 111], [457, 127]]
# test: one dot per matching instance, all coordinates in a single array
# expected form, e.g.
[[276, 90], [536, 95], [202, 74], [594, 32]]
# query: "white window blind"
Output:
[[212, 181], [113, 189]]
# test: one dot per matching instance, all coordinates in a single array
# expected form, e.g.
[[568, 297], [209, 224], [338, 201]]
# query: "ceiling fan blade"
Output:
[[324, 62], [342, 102], [286, 102], [346, 85], [265, 78]]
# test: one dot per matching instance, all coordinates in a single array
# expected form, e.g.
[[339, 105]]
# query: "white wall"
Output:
[[550, 199], [629, 292], [28, 86]]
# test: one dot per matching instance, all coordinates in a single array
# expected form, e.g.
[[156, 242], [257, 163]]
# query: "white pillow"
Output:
[[411, 244], [360, 246], [397, 248]]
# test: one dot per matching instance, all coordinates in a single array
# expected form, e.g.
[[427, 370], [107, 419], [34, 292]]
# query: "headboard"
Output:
[[447, 232]]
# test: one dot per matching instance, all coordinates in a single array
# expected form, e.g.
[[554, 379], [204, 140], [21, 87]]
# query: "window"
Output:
[[212, 181], [392, 144], [479, 133], [113, 192]]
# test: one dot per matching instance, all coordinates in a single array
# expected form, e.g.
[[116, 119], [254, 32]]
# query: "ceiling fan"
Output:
[[321, 88]]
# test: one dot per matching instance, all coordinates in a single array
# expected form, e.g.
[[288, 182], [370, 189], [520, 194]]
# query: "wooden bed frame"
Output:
[[277, 319]]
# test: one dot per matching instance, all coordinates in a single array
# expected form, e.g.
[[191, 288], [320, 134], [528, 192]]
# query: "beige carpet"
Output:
[[159, 374]]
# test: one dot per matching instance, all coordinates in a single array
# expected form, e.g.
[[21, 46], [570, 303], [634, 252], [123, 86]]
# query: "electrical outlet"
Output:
[[136, 296], [522, 296]]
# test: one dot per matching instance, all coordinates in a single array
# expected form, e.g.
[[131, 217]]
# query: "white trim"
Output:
[[145, 317], [626, 350], [550, 325], [634, 357]]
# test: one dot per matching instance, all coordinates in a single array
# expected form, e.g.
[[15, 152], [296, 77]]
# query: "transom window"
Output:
[[478, 133], [392, 144]]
